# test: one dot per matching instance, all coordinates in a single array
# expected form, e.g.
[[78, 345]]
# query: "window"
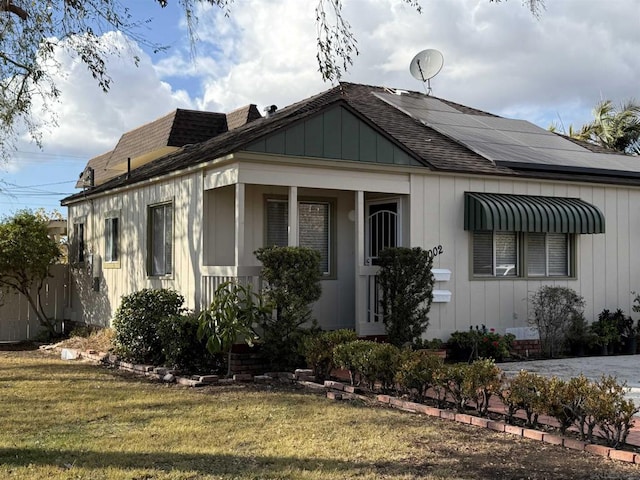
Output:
[[512, 254], [160, 239], [78, 242], [111, 239], [314, 227]]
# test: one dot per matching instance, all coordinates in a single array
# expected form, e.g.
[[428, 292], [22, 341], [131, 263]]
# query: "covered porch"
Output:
[[347, 215]]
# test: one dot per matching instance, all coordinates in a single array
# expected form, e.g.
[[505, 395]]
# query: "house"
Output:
[[503, 205]]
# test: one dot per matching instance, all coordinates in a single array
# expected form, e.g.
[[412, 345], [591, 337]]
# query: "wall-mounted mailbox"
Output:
[[441, 296], [441, 274]]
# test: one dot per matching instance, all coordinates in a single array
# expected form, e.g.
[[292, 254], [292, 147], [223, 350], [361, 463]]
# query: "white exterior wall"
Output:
[[433, 214], [607, 264], [186, 194]]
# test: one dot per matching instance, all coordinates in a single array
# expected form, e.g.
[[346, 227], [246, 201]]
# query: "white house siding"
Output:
[[132, 204], [607, 264]]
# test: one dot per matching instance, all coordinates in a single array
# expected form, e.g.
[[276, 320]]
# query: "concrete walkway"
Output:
[[624, 367]]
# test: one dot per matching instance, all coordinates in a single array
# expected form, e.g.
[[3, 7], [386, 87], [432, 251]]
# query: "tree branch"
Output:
[[7, 6]]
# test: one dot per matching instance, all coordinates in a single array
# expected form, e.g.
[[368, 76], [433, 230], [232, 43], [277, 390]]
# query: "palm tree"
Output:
[[616, 129]]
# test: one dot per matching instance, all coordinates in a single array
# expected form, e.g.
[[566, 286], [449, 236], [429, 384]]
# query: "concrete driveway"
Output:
[[624, 367]]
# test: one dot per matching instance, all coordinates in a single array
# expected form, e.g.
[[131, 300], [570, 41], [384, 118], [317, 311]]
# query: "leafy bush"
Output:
[[369, 362], [553, 308], [483, 379], [381, 366], [613, 413], [349, 357], [234, 311], [406, 282], [422, 344], [526, 391], [181, 347], [318, 350], [137, 322], [480, 343], [292, 276], [418, 372], [456, 376]]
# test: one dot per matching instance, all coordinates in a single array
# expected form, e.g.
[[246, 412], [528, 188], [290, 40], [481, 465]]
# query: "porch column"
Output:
[[239, 225], [361, 293], [293, 216]]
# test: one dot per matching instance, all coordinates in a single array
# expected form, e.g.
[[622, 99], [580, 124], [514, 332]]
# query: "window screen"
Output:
[[313, 230], [483, 253]]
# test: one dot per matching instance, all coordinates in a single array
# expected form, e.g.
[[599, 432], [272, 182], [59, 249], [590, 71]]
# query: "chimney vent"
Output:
[[270, 110]]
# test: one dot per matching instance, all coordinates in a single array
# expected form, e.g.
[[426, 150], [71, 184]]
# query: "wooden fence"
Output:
[[18, 322]]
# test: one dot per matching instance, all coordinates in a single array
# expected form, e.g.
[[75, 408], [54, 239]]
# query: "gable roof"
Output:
[[178, 128], [428, 146]]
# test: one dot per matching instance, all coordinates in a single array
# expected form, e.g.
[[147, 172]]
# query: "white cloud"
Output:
[[498, 57], [90, 121]]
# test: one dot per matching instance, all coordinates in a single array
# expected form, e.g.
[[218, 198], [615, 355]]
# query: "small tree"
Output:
[[553, 309], [233, 313], [292, 276], [407, 291], [26, 253]]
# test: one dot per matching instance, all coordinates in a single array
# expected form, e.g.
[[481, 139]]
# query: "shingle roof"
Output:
[[434, 150], [242, 116], [176, 129]]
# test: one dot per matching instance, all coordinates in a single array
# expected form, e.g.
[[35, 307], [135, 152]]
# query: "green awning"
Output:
[[529, 213]]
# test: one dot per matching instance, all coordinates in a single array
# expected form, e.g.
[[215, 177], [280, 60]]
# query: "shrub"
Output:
[[406, 282], [418, 372], [181, 347], [553, 308], [562, 403], [292, 276], [137, 321], [526, 391], [349, 356], [369, 362], [456, 375], [480, 343], [483, 379], [318, 350], [381, 365], [612, 412], [234, 311]]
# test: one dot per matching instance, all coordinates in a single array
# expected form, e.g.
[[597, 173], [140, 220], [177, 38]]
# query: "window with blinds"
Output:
[[314, 227], [161, 239], [498, 254]]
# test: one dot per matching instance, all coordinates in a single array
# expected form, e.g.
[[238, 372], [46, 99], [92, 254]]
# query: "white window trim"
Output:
[[114, 215], [150, 243]]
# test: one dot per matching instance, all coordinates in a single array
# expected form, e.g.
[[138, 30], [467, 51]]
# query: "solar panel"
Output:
[[506, 141]]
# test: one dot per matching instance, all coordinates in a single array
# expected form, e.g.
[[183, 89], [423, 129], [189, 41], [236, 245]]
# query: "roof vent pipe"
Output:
[[270, 110], [128, 166]]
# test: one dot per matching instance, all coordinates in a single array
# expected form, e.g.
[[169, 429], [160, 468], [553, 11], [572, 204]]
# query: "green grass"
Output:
[[72, 420]]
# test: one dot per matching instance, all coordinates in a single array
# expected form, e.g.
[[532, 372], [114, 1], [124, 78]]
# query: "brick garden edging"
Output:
[[334, 393], [340, 391]]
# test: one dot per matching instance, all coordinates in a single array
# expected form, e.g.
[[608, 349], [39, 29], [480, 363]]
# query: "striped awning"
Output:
[[530, 213]]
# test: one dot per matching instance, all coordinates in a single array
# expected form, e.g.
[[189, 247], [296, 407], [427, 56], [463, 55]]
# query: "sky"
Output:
[[498, 57]]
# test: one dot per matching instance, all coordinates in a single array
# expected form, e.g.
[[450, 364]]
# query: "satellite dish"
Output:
[[426, 65]]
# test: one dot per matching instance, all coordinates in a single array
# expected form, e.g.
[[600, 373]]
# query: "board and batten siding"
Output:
[[607, 264], [131, 206]]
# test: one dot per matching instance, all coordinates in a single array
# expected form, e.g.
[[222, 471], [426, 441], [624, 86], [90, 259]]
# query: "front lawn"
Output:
[[72, 420]]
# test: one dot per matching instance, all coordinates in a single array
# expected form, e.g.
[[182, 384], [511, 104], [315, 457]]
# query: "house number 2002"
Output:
[[435, 251]]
